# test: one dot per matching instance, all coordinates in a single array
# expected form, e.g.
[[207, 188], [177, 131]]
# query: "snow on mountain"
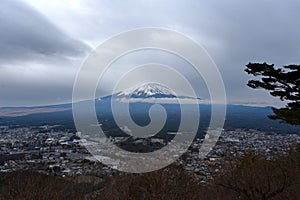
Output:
[[153, 93], [149, 90]]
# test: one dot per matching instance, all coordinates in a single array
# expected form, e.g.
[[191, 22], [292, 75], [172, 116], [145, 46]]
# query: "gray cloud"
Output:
[[25, 34], [38, 61], [233, 32]]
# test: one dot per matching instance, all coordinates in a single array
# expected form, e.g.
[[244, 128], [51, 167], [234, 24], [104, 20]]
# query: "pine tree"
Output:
[[280, 82]]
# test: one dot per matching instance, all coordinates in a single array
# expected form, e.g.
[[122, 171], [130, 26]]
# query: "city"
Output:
[[48, 151]]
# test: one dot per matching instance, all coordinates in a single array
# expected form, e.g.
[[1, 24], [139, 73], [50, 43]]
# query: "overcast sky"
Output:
[[43, 42]]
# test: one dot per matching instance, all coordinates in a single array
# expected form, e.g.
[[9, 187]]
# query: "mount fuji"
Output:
[[141, 99], [150, 91]]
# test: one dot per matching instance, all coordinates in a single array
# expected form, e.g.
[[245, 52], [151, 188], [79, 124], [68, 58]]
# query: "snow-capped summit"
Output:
[[149, 90], [152, 93]]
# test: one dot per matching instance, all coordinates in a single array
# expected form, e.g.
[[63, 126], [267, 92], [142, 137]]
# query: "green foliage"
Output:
[[289, 115], [280, 82]]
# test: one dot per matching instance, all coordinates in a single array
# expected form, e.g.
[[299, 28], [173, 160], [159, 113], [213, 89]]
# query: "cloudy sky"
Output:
[[43, 42]]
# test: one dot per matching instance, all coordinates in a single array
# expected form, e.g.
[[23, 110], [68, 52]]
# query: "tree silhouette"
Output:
[[281, 82]]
